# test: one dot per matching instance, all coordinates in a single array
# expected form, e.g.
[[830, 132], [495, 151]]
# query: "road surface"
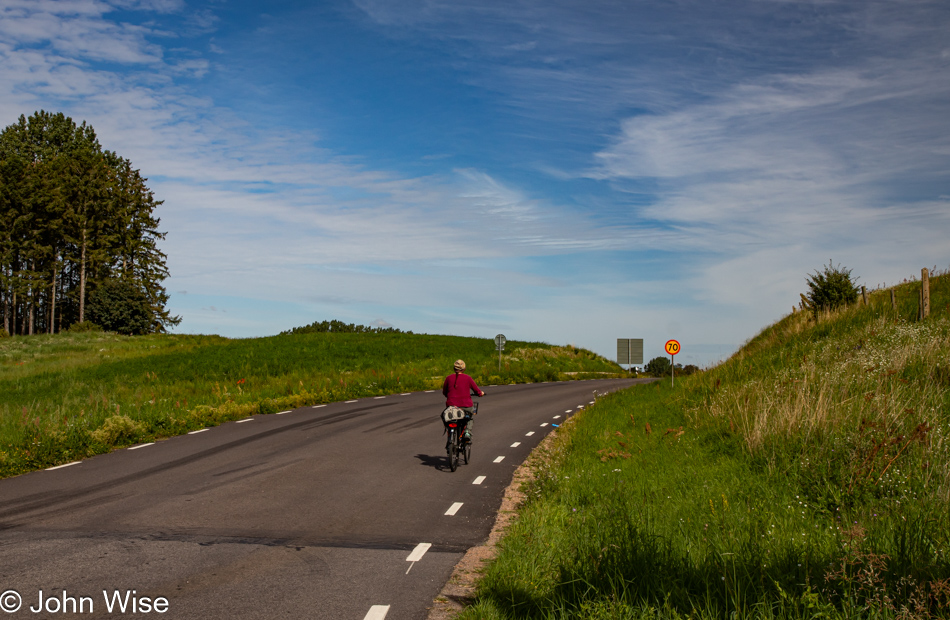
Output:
[[345, 510]]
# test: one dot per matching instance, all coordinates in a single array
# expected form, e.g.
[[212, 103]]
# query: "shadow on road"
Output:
[[440, 462]]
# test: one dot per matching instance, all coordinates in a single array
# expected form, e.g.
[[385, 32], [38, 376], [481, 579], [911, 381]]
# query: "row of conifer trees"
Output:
[[76, 221]]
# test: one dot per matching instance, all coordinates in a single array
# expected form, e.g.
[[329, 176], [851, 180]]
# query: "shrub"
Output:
[[84, 326], [4, 333], [121, 306], [115, 429], [658, 366], [831, 288]]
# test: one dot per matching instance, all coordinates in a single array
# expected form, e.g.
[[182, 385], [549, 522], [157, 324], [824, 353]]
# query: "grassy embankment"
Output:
[[808, 476], [69, 396]]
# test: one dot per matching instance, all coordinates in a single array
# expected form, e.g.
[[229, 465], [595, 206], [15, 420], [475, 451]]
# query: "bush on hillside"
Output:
[[121, 306], [84, 326], [4, 333], [658, 366], [831, 288], [339, 327]]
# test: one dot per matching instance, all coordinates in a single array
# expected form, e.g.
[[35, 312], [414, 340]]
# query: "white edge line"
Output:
[[144, 445], [454, 508], [529, 433], [377, 612], [429, 391], [479, 480], [516, 444], [200, 430], [544, 424], [347, 402], [282, 412], [499, 459], [556, 417], [317, 406], [62, 466], [244, 420], [378, 397], [406, 394], [418, 552]]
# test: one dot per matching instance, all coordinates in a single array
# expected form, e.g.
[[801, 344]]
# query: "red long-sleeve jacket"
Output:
[[456, 388]]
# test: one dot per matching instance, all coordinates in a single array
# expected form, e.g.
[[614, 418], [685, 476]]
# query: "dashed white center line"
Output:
[[418, 552], [144, 445], [479, 480], [349, 401], [244, 420], [556, 417], [200, 430], [62, 466], [499, 459], [580, 406], [378, 397], [516, 444], [406, 394], [544, 424], [429, 391], [569, 410], [529, 433], [453, 509], [318, 406], [592, 402], [377, 612], [282, 412]]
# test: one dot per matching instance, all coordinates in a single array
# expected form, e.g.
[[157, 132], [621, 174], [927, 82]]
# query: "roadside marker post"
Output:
[[500, 341], [672, 347]]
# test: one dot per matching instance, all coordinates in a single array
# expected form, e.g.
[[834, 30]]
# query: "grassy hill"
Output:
[[67, 396], [806, 477]]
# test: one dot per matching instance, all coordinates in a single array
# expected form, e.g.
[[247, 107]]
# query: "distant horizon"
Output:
[[566, 172]]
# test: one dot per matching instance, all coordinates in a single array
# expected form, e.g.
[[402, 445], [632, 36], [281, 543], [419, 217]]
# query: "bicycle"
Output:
[[455, 421]]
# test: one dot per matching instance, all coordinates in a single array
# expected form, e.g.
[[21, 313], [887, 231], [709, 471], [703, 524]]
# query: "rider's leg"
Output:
[[470, 423]]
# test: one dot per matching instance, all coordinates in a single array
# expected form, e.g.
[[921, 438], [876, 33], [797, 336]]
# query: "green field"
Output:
[[67, 396], [806, 477]]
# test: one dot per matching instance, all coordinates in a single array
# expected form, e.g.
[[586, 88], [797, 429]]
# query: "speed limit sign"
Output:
[[672, 347]]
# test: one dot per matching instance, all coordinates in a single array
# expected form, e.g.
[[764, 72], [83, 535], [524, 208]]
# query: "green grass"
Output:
[[69, 396], [808, 476]]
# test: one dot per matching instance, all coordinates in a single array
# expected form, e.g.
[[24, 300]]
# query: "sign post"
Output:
[[500, 346], [672, 347], [630, 351]]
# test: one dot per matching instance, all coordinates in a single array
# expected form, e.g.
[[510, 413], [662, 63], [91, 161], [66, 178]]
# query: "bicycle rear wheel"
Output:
[[468, 451], [453, 453]]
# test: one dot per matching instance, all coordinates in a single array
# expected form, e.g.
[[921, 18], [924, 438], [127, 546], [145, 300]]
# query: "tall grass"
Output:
[[67, 396], [805, 477]]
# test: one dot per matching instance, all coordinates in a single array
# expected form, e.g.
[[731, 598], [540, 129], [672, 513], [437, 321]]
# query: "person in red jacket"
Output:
[[457, 389]]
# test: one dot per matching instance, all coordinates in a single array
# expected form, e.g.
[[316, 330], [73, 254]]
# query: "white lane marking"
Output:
[[545, 424], [499, 459], [317, 406], [377, 612], [580, 406], [62, 466], [592, 402], [556, 417], [418, 552], [429, 391], [453, 509], [283, 412], [144, 445], [244, 420], [406, 394], [479, 480], [378, 397], [569, 410], [529, 433], [349, 401], [516, 444], [200, 430]]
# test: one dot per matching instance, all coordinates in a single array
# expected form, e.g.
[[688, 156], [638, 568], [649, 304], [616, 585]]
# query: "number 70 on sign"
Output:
[[672, 347]]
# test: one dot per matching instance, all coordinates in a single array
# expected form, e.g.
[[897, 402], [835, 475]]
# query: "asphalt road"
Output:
[[346, 510]]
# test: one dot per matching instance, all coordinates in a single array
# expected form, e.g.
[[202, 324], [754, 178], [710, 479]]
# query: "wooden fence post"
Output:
[[924, 293], [864, 294], [893, 301]]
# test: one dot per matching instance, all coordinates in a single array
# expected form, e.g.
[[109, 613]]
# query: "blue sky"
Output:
[[571, 172]]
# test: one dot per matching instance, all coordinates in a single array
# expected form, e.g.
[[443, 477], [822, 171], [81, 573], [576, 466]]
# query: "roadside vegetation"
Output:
[[67, 396], [806, 477]]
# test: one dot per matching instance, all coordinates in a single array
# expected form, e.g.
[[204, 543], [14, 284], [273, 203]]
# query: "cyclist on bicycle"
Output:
[[457, 389]]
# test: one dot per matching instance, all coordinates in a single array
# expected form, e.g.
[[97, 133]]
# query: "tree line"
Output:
[[339, 327], [78, 233]]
